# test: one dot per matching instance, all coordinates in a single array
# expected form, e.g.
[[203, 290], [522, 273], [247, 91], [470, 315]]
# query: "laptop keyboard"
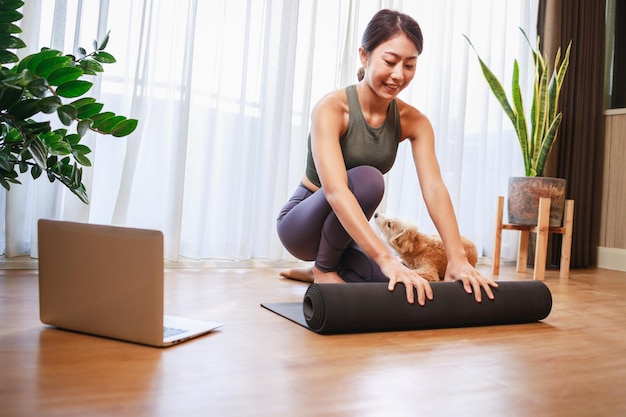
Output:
[[172, 331]]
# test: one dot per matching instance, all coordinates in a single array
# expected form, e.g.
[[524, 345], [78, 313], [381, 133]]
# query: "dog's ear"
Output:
[[396, 240], [406, 240]]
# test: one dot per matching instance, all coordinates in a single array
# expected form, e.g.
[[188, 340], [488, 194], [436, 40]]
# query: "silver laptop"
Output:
[[108, 281]]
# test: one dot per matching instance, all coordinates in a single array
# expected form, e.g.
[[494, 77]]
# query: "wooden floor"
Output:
[[259, 364]]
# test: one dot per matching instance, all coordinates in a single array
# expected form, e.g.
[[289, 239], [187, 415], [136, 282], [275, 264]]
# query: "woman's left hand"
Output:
[[472, 280]]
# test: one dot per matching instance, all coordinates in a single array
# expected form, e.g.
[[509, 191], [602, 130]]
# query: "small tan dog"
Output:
[[421, 252]]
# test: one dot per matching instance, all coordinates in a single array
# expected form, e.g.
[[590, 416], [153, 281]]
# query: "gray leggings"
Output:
[[310, 230]]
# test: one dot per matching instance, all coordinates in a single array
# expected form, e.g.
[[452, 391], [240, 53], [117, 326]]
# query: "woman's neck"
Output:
[[374, 107]]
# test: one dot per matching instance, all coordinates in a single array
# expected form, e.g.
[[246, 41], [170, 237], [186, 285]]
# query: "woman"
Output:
[[353, 141]]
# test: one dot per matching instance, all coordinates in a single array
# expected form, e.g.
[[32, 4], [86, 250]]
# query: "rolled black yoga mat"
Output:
[[371, 307]]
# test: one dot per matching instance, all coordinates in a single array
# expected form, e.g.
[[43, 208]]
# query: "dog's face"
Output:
[[394, 230]]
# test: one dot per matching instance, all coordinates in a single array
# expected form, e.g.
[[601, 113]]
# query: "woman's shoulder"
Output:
[[335, 102], [408, 111], [412, 119]]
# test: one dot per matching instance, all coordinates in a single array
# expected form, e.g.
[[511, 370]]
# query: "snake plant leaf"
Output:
[[547, 146], [495, 85], [521, 126], [556, 82], [541, 99], [544, 117]]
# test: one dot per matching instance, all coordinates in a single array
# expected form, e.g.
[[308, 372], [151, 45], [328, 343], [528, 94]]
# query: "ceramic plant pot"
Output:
[[523, 199]]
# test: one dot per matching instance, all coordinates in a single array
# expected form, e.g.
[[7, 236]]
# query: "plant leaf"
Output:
[[67, 114], [104, 57], [36, 171], [74, 88], [74, 141], [495, 86], [11, 137], [63, 75], [48, 65], [49, 104], [547, 146], [104, 42], [11, 42], [7, 28], [7, 57], [38, 87], [9, 95], [24, 109], [38, 151], [31, 61], [99, 118], [125, 128], [91, 66], [10, 16], [83, 127], [88, 110], [109, 124], [520, 127], [83, 101]]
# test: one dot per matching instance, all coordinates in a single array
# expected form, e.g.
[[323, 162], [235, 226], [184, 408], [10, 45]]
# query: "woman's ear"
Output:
[[363, 56]]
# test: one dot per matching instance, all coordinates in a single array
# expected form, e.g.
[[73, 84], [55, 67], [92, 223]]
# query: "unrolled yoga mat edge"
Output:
[[370, 307]]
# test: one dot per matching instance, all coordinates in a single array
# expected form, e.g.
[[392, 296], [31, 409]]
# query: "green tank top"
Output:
[[363, 144]]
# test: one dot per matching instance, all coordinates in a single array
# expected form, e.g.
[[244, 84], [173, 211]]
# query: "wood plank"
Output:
[[260, 364], [613, 232]]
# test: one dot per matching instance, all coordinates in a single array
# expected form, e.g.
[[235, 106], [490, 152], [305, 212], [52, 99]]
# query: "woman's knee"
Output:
[[367, 184]]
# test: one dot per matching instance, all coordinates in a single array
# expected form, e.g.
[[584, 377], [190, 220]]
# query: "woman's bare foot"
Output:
[[304, 274], [311, 274], [320, 277]]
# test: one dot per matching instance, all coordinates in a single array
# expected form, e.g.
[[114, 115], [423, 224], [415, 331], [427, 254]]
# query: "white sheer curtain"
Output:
[[223, 91]]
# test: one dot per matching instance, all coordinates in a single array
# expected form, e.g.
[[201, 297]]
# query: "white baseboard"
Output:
[[612, 258]]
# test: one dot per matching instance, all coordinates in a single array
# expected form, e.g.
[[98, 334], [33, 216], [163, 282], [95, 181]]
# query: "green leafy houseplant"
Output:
[[544, 117], [33, 89]]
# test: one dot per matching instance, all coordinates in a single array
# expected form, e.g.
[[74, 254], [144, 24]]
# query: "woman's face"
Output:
[[390, 67]]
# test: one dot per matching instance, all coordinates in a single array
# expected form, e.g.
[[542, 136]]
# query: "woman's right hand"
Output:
[[397, 272]]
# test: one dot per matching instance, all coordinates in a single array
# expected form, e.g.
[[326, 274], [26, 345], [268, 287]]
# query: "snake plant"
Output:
[[544, 116]]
